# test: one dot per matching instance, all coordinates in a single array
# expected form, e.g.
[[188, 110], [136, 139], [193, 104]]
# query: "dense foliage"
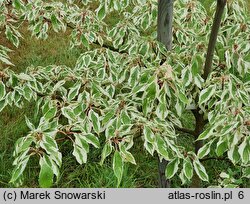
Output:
[[126, 85]]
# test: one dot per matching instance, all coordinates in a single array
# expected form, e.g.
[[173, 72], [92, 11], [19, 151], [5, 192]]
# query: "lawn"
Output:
[[56, 50]]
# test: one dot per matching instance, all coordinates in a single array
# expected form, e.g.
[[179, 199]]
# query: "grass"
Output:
[[55, 51], [35, 52], [31, 52]]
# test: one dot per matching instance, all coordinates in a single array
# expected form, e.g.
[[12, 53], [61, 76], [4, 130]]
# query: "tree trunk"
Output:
[[163, 182], [165, 22], [165, 33], [213, 37], [200, 123], [199, 127]]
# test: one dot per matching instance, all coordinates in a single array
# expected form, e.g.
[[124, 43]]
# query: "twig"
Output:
[[185, 130], [215, 158], [213, 37]]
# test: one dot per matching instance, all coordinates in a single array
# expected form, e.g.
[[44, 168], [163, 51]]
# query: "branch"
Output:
[[72, 27], [109, 47], [215, 158], [213, 37], [96, 42], [185, 130], [165, 22], [69, 133], [37, 93], [63, 139]]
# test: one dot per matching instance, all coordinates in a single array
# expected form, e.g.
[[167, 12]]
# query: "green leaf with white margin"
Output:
[[19, 157], [229, 128], [107, 117], [86, 60], [3, 103], [149, 147], [54, 163], [2, 90], [200, 170], [110, 129], [125, 117], [186, 77], [198, 81], [188, 168], [204, 150], [179, 108], [147, 106], [46, 106], [127, 156], [243, 96], [94, 117], [101, 12], [148, 134], [143, 50], [73, 92], [51, 113], [17, 4], [57, 158], [80, 154], [107, 149], [151, 91], [134, 76], [206, 134], [206, 94], [25, 77], [246, 172], [161, 111], [162, 148], [183, 177], [46, 174], [5, 60], [196, 62], [233, 154], [84, 40], [29, 124], [68, 112], [172, 168], [183, 97], [118, 166], [19, 169], [92, 139], [244, 151], [48, 143], [222, 146], [80, 140], [28, 93], [23, 144], [224, 175], [145, 23], [55, 22]]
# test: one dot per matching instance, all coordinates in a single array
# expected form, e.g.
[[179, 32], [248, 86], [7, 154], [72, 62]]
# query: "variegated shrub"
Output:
[[126, 85]]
